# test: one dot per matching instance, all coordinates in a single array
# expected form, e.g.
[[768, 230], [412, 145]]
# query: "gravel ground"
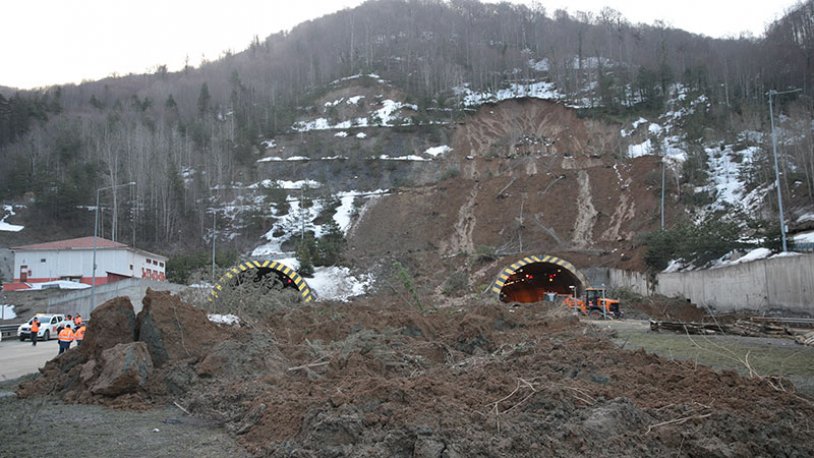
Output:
[[93, 430]]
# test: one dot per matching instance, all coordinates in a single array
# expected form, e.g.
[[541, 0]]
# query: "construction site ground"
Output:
[[386, 377]]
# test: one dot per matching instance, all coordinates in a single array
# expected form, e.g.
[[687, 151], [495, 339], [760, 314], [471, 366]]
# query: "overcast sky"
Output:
[[44, 42]]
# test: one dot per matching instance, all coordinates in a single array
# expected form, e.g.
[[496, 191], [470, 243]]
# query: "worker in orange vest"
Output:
[[79, 335], [65, 338], [35, 330], [77, 321]]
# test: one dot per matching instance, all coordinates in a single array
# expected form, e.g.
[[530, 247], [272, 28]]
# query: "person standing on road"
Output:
[[79, 335], [66, 336], [35, 330]]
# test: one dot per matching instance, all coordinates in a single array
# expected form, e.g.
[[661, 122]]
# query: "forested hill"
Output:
[[60, 144]]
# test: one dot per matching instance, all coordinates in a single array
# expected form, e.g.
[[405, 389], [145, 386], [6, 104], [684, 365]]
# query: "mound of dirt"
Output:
[[377, 379]]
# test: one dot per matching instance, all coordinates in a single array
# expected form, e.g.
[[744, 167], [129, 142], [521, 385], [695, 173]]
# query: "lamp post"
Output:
[[95, 233], [771, 93]]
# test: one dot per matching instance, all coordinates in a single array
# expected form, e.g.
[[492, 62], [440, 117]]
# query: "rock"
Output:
[[238, 359], [174, 330], [112, 323], [88, 371], [125, 369], [426, 447]]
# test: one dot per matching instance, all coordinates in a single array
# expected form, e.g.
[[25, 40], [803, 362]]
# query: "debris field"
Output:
[[377, 378]]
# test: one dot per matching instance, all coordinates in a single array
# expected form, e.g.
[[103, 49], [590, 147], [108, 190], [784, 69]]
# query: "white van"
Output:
[[48, 326]]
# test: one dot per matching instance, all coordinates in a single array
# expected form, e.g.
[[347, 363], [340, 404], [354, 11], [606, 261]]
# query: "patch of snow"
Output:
[[270, 159], [343, 212], [673, 266], [8, 210], [354, 100], [341, 133], [57, 284], [359, 75], [638, 122], [537, 90], [269, 144], [806, 218], [642, 149], [361, 135], [541, 65], [804, 237], [7, 312], [754, 255], [229, 320], [286, 184], [202, 285], [410, 157], [383, 117], [337, 283], [436, 151], [654, 129]]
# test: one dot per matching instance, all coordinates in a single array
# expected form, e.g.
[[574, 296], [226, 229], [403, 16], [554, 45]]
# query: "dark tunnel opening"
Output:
[[265, 277], [531, 282]]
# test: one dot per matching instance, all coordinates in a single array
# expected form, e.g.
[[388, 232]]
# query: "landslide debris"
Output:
[[378, 379]]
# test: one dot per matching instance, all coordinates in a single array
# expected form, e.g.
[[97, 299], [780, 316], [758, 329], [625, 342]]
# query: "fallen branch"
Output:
[[677, 421], [182, 409], [308, 366]]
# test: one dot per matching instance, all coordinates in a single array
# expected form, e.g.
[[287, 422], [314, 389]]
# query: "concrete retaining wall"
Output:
[[785, 283], [80, 301]]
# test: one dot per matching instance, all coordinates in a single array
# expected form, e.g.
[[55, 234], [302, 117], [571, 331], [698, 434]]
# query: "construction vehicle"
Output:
[[594, 304]]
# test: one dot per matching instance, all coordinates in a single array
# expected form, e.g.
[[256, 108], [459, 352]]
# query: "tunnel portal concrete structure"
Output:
[[256, 270], [531, 278]]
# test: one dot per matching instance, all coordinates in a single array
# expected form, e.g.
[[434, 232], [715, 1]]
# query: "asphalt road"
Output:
[[21, 358]]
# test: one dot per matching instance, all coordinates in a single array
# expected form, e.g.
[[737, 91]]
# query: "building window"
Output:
[[131, 266], [148, 260], [155, 263], [161, 264]]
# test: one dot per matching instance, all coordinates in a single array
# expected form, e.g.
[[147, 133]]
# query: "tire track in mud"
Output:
[[586, 213]]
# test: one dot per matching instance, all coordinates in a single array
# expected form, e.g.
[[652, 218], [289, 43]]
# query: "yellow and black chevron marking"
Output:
[[512, 269], [225, 281]]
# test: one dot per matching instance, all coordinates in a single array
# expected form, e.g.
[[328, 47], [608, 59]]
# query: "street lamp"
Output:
[[95, 232], [771, 93]]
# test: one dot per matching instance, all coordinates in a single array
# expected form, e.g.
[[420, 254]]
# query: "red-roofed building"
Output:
[[73, 260]]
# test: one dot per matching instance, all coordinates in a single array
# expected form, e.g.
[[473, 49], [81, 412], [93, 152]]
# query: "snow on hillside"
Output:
[[338, 284], [537, 90], [8, 211], [299, 220], [386, 116]]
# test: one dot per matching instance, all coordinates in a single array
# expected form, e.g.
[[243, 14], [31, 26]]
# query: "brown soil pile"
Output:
[[664, 308], [376, 379]]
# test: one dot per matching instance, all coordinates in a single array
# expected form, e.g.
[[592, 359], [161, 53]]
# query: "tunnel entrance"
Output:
[[531, 279], [271, 276]]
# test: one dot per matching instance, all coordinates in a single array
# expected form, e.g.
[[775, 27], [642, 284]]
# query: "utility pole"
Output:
[[771, 93], [663, 173], [214, 236]]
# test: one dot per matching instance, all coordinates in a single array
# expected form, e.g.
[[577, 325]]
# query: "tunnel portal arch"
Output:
[[530, 278], [259, 269]]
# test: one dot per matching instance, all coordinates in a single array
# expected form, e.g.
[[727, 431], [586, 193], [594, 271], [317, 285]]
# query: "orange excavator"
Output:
[[594, 304]]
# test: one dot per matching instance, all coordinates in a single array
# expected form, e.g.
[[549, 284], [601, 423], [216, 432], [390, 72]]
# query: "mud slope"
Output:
[[534, 178]]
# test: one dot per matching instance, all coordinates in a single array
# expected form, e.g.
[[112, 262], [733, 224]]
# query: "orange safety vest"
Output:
[[66, 335], [80, 333], [35, 326]]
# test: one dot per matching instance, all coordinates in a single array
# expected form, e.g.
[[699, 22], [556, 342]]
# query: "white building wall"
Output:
[[64, 263]]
